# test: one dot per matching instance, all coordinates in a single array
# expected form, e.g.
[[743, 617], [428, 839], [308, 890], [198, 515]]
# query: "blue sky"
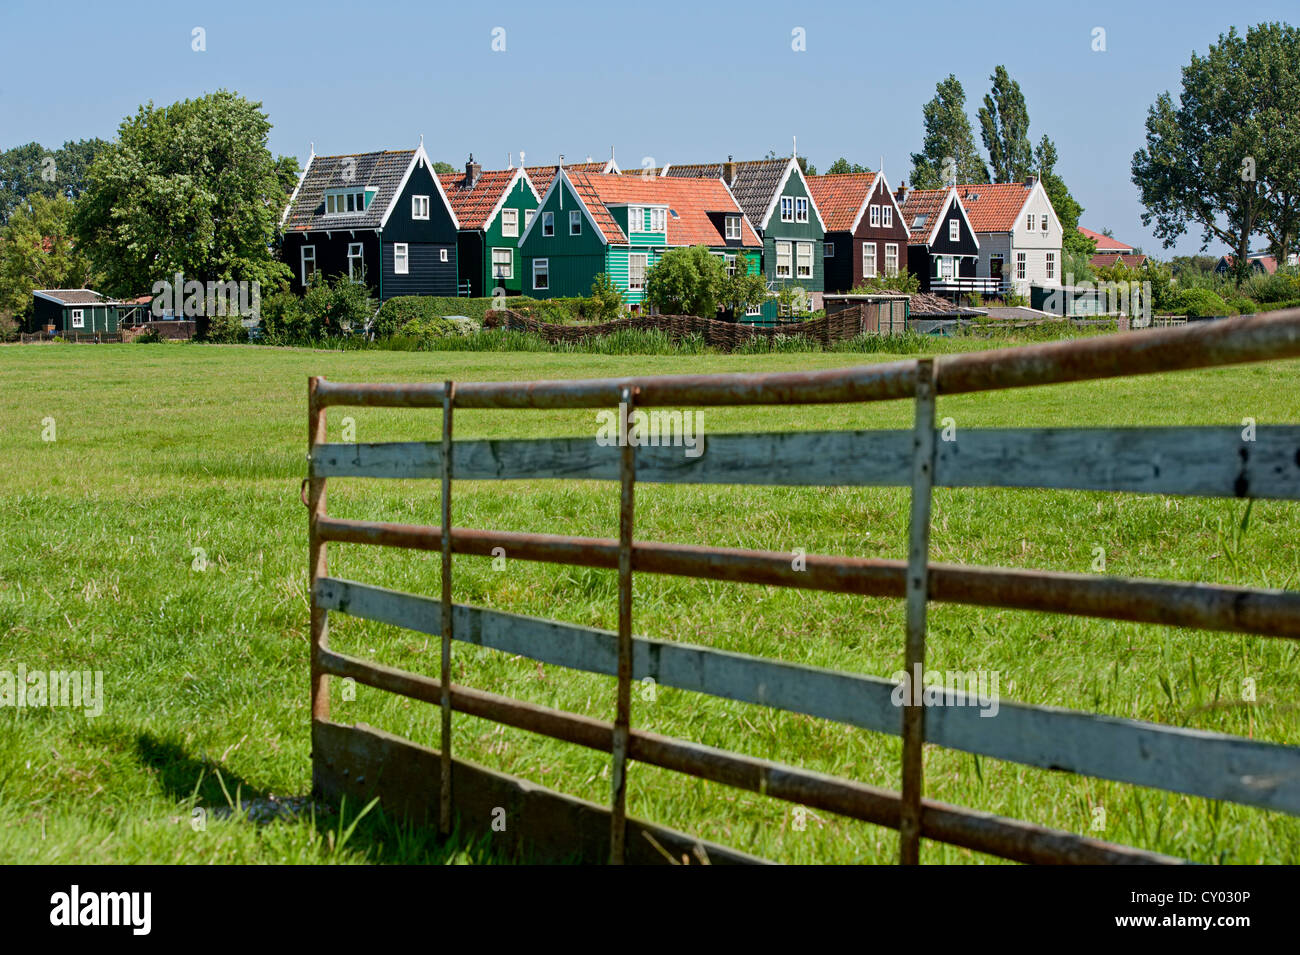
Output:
[[675, 81]]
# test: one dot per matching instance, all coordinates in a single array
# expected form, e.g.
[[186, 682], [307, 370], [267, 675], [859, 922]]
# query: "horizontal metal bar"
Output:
[[1210, 765], [1272, 335], [981, 832], [1274, 613], [1204, 461]]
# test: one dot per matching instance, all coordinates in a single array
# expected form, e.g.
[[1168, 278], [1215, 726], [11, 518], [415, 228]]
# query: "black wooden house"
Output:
[[380, 218]]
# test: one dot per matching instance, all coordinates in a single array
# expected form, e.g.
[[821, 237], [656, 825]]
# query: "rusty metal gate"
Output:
[[1197, 461]]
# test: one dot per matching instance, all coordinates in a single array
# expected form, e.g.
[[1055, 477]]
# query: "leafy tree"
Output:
[[947, 134], [187, 188], [288, 172], [441, 168], [334, 307], [606, 300], [1004, 127], [686, 281], [904, 282], [743, 289], [37, 251], [32, 170], [1226, 157], [842, 166]]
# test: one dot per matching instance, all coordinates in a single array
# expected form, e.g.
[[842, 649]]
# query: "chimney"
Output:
[[472, 172], [901, 193], [1031, 181], [729, 172]]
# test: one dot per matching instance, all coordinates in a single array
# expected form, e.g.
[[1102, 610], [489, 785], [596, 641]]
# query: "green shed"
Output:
[[67, 311]]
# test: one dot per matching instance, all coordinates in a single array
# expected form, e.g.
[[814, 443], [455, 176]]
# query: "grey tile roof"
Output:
[[381, 170], [74, 296], [756, 182]]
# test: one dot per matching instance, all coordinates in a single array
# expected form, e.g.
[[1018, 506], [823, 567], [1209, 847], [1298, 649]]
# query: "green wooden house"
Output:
[[493, 209], [588, 223], [76, 311], [774, 195]]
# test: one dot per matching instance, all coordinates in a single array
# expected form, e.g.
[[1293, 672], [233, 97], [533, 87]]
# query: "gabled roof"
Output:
[[543, 175], [384, 172], [925, 209], [840, 197], [1266, 263], [476, 207], [73, 296], [756, 185], [689, 203], [1104, 242], [994, 206]]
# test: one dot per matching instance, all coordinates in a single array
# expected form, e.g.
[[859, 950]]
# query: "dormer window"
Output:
[[733, 227], [419, 207], [342, 202]]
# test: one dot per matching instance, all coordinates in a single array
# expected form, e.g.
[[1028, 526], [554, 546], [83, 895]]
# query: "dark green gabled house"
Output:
[[79, 311], [493, 209], [779, 205]]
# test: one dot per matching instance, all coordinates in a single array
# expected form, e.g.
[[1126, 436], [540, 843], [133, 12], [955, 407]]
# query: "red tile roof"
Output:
[[927, 203], [689, 203], [473, 206], [993, 207], [1105, 243], [839, 197], [1267, 263]]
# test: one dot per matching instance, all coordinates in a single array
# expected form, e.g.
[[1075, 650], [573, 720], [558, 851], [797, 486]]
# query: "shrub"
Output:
[[151, 337], [335, 307], [282, 318], [1270, 288], [1200, 303], [225, 330], [421, 333], [1242, 305], [402, 310], [606, 301], [905, 282]]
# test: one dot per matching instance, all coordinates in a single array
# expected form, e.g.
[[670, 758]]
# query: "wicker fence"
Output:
[[848, 323]]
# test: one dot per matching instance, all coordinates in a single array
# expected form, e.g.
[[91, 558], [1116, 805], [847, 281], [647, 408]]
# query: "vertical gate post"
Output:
[[444, 788], [623, 708], [917, 592], [316, 562]]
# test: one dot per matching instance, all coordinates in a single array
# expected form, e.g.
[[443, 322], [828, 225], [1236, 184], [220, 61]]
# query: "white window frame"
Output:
[[1051, 265], [303, 258], [803, 250], [644, 259], [954, 230], [947, 266], [510, 223], [548, 224], [658, 220], [754, 309], [1022, 266], [1029, 222], [575, 222], [1045, 223], [635, 219], [874, 217], [801, 209], [528, 217], [891, 257], [78, 318], [887, 216], [443, 255], [336, 202], [828, 250], [733, 227], [544, 267], [419, 207], [869, 270], [789, 260], [359, 256], [509, 272], [787, 208], [401, 258]]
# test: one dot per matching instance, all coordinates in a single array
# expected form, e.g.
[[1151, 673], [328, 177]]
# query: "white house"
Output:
[[1019, 233]]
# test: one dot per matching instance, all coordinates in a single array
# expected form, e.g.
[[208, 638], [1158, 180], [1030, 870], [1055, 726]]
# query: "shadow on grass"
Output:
[[367, 833]]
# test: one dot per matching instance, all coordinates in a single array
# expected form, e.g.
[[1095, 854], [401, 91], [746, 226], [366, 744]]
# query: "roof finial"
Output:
[[510, 160], [312, 149], [611, 152], [422, 140], [794, 141], [521, 158]]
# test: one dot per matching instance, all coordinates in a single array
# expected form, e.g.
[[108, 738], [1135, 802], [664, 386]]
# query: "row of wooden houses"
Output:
[[389, 220]]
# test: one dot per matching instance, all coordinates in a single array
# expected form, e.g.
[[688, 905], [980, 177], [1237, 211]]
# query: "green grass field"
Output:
[[162, 449]]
